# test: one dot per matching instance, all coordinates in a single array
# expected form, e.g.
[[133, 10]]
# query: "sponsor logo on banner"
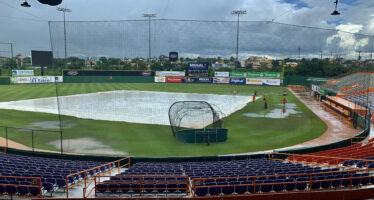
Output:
[[170, 73], [198, 66], [221, 74], [190, 80], [22, 72], [271, 81], [221, 80], [253, 81], [37, 79], [204, 80], [237, 81], [72, 73], [146, 73], [256, 74], [198, 80], [262, 81], [159, 79], [20, 80], [174, 79]]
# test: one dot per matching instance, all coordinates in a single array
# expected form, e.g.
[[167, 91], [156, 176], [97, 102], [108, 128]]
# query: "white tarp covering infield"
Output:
[[125, 105]]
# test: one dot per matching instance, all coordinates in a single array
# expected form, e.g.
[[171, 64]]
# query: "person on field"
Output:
[[253, 98], [255, 92], [265, 98], [284, 101], [234, 92]]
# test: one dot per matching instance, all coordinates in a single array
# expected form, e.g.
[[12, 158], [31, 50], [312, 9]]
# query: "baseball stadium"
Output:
[[163, 108]]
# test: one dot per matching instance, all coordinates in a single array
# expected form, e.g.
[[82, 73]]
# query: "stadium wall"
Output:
[[133, 159], [4, 80]]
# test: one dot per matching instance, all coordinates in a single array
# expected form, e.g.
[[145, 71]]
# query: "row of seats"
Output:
[[53, 172]]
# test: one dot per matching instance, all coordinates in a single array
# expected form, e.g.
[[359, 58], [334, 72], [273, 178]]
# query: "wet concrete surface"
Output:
[[338, 127]]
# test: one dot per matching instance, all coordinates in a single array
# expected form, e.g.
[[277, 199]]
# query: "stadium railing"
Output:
[[318, 160], [88, 178], [36, 185], [370, 139], [311, 183]]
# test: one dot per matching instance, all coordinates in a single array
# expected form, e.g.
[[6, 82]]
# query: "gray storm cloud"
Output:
[[130, 38]]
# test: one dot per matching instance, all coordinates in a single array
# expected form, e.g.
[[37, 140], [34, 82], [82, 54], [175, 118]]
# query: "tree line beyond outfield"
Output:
[[306, 67]]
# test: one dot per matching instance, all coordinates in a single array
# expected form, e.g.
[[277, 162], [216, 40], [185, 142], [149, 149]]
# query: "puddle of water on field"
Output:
[[277, 113], [85, 146], [52, 124]]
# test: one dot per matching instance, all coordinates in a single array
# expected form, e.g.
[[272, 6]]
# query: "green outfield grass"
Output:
[[245, 134]]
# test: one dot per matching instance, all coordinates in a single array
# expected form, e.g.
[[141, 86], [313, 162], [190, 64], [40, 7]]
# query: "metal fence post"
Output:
[[61, 141], [6, 136], [32, 139]]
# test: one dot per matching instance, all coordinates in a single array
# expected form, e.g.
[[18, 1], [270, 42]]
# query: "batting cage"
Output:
[[197, 122]]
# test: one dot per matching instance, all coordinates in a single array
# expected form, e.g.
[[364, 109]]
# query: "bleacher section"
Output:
[[52, 173], [228, 178], [362, 98], [359, 155], [351, 84]]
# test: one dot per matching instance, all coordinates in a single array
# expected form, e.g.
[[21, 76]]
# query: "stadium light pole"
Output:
[[149, 36], [64, 10], [11, 52], [237, 12]]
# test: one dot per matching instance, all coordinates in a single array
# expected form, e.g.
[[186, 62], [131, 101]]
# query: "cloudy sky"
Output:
[[28, 28]]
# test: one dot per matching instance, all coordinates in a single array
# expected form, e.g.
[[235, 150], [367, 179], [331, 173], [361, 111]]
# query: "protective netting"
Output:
[[5, 55], [194, 115], [129, 39], [85, 108], [122, 45]]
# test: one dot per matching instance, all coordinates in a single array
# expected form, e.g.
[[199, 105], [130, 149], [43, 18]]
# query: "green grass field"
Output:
[[245, 134]]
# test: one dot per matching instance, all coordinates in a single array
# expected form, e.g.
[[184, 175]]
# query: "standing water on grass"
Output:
[[277, 113]]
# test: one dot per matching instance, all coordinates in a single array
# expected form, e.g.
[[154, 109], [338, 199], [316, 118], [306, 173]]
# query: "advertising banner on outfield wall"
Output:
[[22, 72], [170, 73], [221, 74], [173, 79], [198, 80], [159, 79], [107, 73], [237, 81], [256, 74], [198, 66], [221, 80], [263, 81], [36, 79]]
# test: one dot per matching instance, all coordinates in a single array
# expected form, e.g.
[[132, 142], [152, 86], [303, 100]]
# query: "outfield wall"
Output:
[[4, 80]]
